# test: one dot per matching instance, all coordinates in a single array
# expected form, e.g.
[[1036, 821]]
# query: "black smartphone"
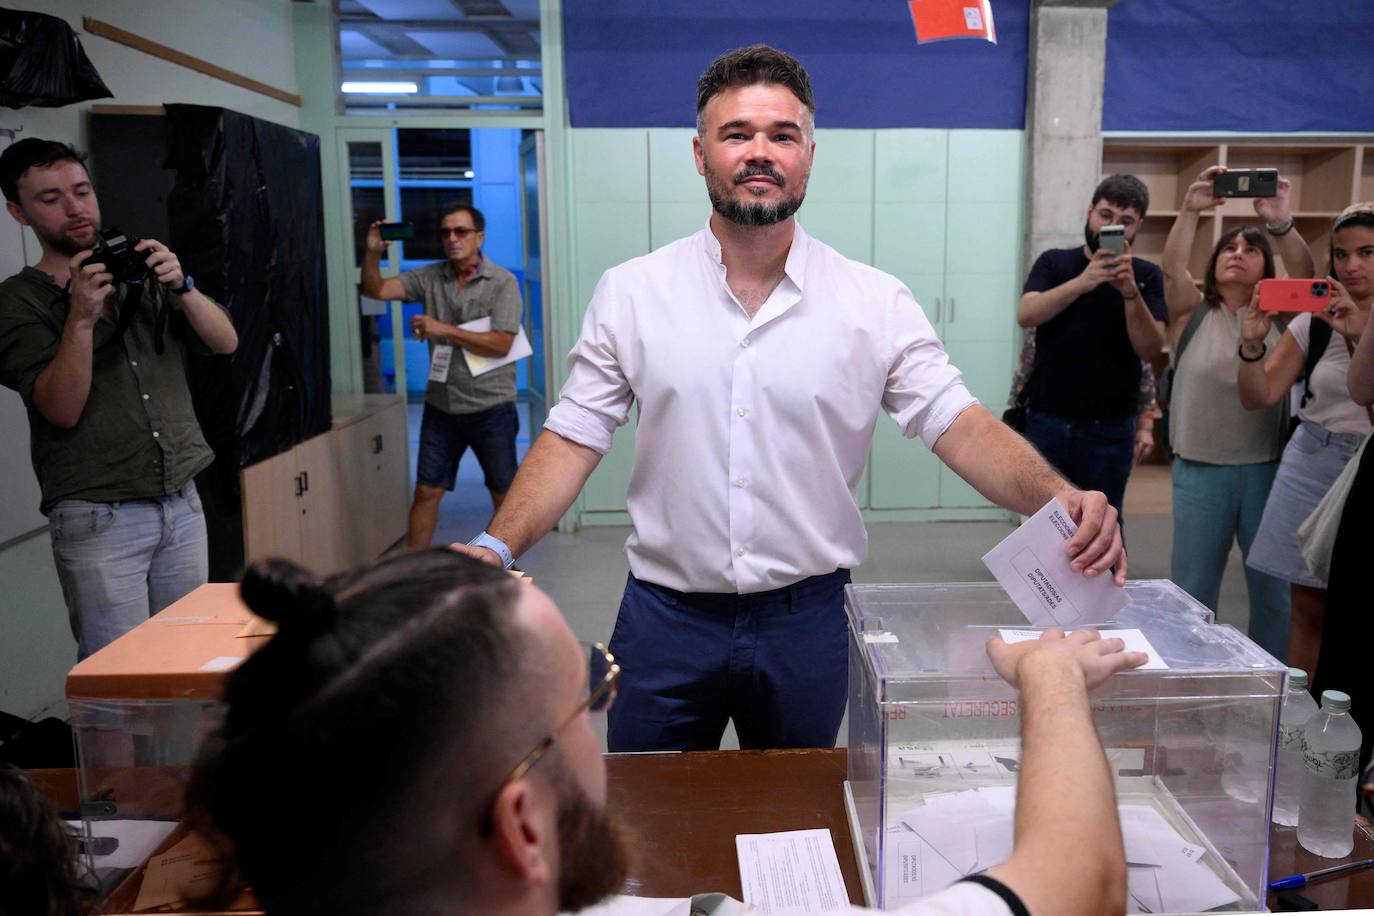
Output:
[[1246, 183], [397, 232]]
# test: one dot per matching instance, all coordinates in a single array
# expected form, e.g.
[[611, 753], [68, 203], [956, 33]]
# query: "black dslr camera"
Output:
[[115, 252]]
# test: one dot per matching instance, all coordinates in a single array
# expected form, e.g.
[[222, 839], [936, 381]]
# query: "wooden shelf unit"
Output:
[[1327, 176]]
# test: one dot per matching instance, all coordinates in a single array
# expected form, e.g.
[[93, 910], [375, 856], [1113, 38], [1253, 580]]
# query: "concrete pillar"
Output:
[[1068, 47]]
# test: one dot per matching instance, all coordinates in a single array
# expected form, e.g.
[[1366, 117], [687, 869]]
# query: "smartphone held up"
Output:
[[1113, 239], [1277, 295]]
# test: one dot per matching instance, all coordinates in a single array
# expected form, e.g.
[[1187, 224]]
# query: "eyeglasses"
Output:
[[462, 231], [602, 675]]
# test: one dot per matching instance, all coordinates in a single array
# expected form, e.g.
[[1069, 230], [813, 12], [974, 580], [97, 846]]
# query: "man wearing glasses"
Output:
[[462, 410], [443, 714]]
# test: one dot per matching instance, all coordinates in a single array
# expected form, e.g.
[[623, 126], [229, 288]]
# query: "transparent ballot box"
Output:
[[138, 709], [934, 746]]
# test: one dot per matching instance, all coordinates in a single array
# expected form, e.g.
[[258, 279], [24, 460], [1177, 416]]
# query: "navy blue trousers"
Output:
[[775, 662]]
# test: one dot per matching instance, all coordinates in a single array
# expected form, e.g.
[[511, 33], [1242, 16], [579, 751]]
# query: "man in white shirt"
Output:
[[760, 358]]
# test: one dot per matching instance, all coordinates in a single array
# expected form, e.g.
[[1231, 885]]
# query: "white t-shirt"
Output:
[[1330, 406]]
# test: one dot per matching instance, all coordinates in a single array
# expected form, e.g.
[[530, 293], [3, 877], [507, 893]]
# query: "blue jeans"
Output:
[[775, 662], [1214, 506], [120, 563], [1092, 454], [489, 433]]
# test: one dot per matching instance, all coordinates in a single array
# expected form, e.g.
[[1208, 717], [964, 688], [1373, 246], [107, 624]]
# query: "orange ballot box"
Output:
[[138, 709]]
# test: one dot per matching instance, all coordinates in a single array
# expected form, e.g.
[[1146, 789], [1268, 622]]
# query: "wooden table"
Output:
[[684, 810]]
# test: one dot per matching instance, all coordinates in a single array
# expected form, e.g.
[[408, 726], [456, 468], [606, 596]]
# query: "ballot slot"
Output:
[[935, 749]]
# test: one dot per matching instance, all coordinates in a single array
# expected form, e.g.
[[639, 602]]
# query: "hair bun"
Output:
[[287, 594]]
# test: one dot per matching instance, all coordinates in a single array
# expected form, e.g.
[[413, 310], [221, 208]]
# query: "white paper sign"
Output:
[[1031, 565], [1135, 641], [439, 362]]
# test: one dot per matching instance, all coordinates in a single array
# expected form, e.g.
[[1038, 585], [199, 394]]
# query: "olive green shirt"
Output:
[[138, 437], [492, 292]]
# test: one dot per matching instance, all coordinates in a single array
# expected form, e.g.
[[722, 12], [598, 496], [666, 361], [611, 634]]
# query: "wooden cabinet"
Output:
[[338, 499], [1327, 176]]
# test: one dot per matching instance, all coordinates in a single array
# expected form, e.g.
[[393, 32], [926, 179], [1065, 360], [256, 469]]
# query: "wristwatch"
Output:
[[187, 284], [496, 545], [1277, 229]]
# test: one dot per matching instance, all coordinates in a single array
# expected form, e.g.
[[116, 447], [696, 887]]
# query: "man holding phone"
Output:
[[1098, 312], [462, 410]]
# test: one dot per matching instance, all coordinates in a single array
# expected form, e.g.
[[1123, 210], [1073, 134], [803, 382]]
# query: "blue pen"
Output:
[[1303, 880]]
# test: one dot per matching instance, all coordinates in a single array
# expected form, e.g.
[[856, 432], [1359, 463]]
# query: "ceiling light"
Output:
[[383, 88], [469, 174]]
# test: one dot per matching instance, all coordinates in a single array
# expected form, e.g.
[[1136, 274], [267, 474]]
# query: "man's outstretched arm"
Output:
[[549, 479], [1068, 856]]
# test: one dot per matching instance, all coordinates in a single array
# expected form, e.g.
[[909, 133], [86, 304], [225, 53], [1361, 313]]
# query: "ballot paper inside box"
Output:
[[934, 747]]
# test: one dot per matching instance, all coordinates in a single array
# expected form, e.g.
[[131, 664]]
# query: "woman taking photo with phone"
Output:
[[1225, 457], [1332, 425]]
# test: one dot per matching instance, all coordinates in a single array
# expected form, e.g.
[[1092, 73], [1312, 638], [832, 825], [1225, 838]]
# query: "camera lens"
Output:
[[1319, 289]]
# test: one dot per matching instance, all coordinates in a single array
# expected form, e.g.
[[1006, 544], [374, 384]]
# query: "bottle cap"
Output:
[[1297, 677], [1334, 699]]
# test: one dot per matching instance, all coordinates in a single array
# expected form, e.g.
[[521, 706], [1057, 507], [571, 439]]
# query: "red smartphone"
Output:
[[1294, 295]]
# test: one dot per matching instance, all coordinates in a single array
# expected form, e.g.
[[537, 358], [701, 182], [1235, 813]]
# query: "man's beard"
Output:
[[594, 857], [1092, 238], [749, 214], [65, 244]]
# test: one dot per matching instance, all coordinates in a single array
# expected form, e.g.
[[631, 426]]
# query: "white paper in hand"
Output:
[[1031, 565]]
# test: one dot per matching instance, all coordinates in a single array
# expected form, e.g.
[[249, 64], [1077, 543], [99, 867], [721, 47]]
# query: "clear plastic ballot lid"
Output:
[[917, 638]]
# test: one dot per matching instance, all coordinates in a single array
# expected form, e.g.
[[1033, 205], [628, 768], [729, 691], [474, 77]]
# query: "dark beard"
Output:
[[747, 214], [594, 857], [67, 246], [1092, 238]]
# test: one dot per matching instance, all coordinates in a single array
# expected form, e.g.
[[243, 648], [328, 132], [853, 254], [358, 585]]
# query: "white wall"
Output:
[[251, 37]]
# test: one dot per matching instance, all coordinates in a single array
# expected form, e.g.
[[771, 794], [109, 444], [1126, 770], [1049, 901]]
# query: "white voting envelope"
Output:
[[519, 348], [1031, 565]]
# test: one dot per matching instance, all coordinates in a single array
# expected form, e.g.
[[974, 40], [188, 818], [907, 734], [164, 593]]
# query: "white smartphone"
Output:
[[1112, 238]]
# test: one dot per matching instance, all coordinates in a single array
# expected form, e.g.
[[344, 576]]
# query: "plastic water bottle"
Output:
[[1298, 708], [1326, 809]]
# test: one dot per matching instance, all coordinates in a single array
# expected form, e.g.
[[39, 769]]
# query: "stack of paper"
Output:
[[1164, 872], [959, 833]]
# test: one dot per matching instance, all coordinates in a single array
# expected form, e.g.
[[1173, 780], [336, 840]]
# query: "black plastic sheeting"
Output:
[[247, 221], [42, 63]]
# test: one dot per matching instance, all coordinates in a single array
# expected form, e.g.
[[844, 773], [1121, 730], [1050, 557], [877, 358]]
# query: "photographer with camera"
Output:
[[90, 339]]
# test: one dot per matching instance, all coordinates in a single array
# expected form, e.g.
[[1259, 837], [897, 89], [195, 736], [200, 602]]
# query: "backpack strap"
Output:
[[1318, 336], [1189, 329]]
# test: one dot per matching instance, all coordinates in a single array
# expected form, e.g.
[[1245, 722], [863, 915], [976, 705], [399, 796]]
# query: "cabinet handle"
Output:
[[305, 481], [377, 444], [300, 486], [951, 308], [937, 311]]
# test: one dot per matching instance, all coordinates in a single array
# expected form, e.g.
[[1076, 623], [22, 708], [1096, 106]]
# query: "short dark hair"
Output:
[[1254, 238], [379, 685], [479, 222], [1124, 191], [30, 153], [751, 65]]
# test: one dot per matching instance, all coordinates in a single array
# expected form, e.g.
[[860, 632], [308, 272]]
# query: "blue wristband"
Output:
[[495, 545]]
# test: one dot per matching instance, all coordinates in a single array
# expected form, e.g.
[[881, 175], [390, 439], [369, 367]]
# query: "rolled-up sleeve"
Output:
[[925, 392], [27, 345], [596, 398]]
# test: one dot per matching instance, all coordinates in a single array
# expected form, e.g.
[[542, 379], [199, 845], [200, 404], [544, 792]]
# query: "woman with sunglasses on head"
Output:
[[1332, 424], [1225, 457]]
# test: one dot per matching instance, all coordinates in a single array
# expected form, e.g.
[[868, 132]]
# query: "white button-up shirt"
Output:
[[752, 433]]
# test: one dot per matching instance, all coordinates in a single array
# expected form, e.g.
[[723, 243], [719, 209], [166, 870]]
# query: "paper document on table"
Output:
[[1135, 641], [625, 905], [477, 365], [1031, 565], [792, 872], [137, 840]]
